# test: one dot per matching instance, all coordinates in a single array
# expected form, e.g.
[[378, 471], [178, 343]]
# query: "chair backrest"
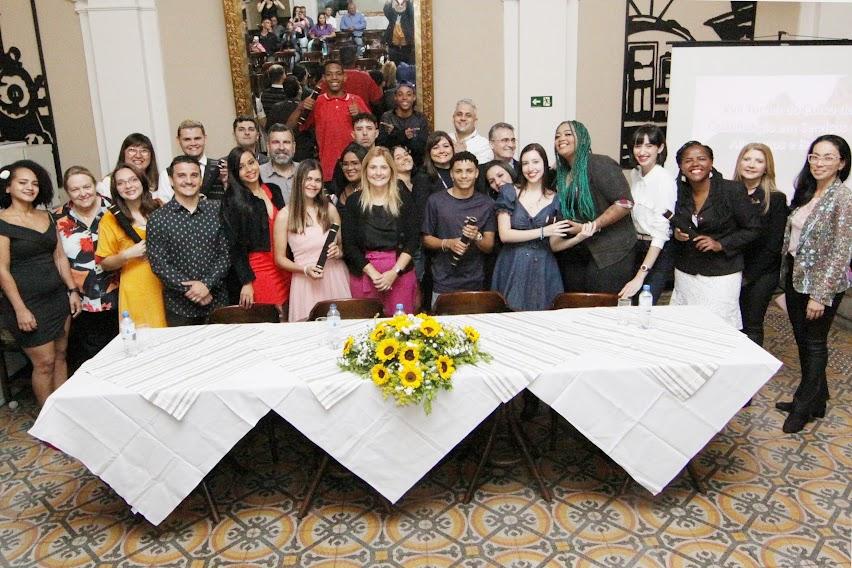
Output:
[[349, 308], [584, 300], [258, 313], [457, 303]]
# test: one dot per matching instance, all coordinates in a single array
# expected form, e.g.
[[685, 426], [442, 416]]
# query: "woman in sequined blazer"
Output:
[[815, 271]]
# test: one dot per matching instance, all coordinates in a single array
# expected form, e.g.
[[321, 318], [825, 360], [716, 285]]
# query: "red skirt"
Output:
[[271, 284]]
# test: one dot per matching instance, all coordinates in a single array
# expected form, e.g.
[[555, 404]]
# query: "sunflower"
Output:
[[430, 327], [399, 322], [387, 349], [471, 333], [445, 367], [411, 376], [380, 374], [378, 333], [409, 354], [423, 315], [347, 345]]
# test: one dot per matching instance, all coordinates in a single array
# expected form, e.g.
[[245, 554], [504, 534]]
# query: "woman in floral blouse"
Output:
[[77, 223], [815, 272]]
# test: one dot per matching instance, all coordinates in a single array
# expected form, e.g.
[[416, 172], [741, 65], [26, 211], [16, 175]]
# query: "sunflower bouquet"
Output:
[[411, 357]]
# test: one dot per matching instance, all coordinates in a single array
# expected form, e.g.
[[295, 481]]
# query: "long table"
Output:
[[154, 425]]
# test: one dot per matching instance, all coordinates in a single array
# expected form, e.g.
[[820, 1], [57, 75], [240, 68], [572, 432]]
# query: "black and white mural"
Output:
[[651, 27]]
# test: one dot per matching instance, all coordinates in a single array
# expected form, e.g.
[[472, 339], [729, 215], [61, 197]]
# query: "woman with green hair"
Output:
[[592, 189]]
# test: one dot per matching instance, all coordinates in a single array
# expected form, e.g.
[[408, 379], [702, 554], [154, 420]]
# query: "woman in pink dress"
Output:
[[249, 209], [304, 226]]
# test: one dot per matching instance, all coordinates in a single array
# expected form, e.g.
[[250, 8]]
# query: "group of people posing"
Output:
[[170, 247]]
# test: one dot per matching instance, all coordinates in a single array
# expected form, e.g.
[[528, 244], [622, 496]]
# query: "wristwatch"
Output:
[[644, 268], [398, 271], [479, 236]]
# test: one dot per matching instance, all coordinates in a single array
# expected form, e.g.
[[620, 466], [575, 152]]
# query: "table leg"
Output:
[[519, 438], [309, 496], [214, 512], [554, 428], [272, 439], [486, 452]]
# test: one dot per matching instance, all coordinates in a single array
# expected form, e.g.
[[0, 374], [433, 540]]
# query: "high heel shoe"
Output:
[[788, 407], [795, 422]]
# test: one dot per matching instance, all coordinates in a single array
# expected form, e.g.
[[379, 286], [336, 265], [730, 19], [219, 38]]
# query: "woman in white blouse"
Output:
[[654, 191]]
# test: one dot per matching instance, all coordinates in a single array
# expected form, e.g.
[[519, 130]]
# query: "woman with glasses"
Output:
[[762, 257], [713, 221], [347, 178], [138, 151], [815, 271]]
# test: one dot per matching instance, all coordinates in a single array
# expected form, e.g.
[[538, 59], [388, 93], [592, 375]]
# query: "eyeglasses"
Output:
[[505, 140], [138, 151], [827, 159]]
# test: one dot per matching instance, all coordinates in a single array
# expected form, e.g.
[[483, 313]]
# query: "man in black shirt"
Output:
[[404, 126], [444, 226], [188, 249]]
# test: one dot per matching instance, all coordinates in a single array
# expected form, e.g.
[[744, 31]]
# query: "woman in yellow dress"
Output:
[[140, 292]]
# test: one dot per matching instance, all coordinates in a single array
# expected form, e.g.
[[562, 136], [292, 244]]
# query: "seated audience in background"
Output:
[[274, 93], [122, 247], [654, 192], [137, 150], [77, 225], [267, 37], [320, 33], [269, 8], [501, 138], [329, 17], [348, 174], [303, 226], [279, 31], [280, 168], [247, 136], [301, 24], [526, 272], [354, 22], [436, 160], [755, 169], [332, 114], [38, 290], [457, 265], [721, 221], [817, 248], [592, 187], [249, 209], [381, 231], [404, 126], [399, 35], [465, 136], [188, 248], [192, 140]]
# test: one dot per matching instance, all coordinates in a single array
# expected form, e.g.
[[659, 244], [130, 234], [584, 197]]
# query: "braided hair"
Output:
[[572, 182]]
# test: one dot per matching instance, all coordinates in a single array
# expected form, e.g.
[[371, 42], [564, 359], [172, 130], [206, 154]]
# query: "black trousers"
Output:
[[89, 333], [755, 296], [580, 273], [812, 340], [661, 273], [177, 320]]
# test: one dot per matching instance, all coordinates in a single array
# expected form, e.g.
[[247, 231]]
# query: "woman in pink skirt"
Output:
[[303, 225], [381, 231]]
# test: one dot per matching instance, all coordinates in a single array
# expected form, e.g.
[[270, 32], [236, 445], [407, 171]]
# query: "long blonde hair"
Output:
[[393, 204], [767, 182]]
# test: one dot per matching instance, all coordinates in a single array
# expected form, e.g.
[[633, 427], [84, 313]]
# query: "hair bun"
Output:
[[5, 174]]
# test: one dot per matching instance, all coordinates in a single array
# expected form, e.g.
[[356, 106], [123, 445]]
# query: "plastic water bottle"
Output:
[[646, 300], [332, 323], [128, 334], [399, 311]]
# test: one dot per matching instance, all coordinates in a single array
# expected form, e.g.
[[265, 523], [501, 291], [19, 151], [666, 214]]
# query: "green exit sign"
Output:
[[541, 101]]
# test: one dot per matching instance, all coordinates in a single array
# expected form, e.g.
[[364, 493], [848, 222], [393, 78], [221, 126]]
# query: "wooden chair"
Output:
[[457, 303], [367, 64], [349, 308], [9, 345], [584, 300], [258, 313]]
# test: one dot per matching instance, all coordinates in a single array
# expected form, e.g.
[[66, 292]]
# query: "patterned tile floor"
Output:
[[771, 500]]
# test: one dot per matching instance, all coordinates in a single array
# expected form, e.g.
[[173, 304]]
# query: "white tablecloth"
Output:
[[611, 392]]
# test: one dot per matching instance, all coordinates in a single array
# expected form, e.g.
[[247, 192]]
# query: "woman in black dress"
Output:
[[38, 291]]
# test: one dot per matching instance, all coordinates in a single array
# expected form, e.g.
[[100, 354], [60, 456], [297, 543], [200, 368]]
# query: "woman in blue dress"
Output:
[[526, 272]]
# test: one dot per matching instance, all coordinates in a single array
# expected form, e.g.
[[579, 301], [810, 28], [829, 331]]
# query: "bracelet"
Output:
[[443, 244], [541, 238], [305, 270]]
